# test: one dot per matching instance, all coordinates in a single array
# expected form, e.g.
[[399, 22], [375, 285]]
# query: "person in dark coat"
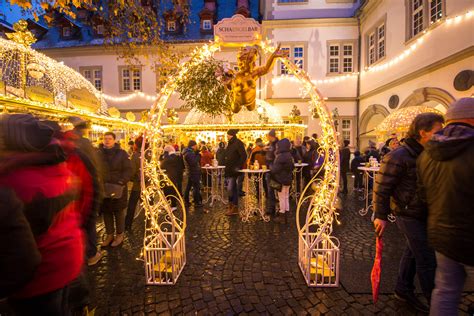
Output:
[[446, 183], [20, 256], [135, 160], [395, 189], [310, 156], [174, 166], [345, 157], [220, 154], [192, 161], [282, 172], [92, 161], [355, 164], [117, 171], [235, 157], [270, 157], [51, 185]]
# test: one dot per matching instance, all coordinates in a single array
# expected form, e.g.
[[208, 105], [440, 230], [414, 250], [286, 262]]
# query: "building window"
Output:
[[346, 129], [436, 10], [348, 59], [206, 25], [422, 13], [298, 56], [417, 16], [66, 31], [334, 58], [171, 26], [296, 53], [341, 57], [130, 79], [381, 41], [94, 75], [283, 70], [376, 48]]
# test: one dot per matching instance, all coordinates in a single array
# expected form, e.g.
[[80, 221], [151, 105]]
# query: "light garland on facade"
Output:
[[135, 94], [418, 42]]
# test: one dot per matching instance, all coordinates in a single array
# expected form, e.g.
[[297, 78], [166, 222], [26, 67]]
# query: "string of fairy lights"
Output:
[[337, 78]]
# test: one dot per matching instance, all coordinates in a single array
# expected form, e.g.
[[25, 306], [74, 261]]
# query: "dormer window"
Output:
[[207, 25], [171, 26], [66, 31]]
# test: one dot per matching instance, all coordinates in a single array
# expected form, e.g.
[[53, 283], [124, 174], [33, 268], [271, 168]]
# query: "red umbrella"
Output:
[[377, 269]]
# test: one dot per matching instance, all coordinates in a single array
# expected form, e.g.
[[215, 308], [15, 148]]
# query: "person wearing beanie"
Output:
[[446, 183], [235, 157], [395, 191], [192, 161]]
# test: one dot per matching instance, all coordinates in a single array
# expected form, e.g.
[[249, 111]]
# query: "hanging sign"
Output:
[[39, 94], [237, 29], [83, 99]]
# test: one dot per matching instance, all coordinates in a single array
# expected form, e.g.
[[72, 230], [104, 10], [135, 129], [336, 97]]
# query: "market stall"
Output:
[[31, 82]]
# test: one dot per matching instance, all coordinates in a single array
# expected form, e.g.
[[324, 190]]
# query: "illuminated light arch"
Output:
[[164, 243]]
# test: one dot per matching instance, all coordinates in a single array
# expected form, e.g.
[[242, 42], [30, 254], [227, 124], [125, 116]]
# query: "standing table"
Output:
[[369, 173], [298, 171], [253, 200], [217, 184]]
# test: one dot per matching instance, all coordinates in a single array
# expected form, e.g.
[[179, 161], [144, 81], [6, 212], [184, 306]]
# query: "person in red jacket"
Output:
[[33, 164], [206, 160]]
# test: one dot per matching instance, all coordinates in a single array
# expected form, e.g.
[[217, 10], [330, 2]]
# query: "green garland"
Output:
[[202, 89]]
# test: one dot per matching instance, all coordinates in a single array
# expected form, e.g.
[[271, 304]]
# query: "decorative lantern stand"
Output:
[[164, 242]]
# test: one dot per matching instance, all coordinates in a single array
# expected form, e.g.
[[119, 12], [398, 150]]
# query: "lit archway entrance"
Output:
[[164, 243], [370, 118]]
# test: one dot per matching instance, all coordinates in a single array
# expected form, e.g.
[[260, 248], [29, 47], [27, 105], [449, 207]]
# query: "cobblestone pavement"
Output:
[[249, 268]]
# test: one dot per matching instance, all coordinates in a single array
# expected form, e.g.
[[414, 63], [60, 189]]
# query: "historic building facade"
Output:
[[367, 58]]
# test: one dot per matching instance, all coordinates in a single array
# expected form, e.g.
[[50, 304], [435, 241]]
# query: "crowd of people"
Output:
[[54, 184]]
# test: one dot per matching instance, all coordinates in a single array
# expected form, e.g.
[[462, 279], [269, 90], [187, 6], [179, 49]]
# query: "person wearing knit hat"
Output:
[[445, 172], [232, 132], [462, 109], [24, 132]]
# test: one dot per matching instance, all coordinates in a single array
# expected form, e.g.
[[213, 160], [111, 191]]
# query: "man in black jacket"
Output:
[[446, 170], [192, 161], [235, 157], [270, 150], [345, 157], [395, 189]]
